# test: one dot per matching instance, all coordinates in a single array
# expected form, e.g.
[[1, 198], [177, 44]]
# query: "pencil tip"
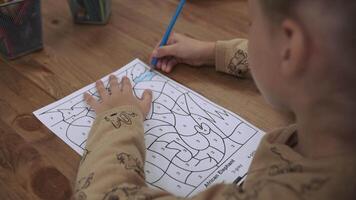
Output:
[[152, 68]]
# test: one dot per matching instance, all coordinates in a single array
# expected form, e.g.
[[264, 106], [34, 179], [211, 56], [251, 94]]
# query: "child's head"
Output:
[[303, 51]]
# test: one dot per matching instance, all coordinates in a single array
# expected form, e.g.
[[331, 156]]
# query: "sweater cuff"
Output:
[[232, 58], [127, 108], [220, 53], [114, 118]]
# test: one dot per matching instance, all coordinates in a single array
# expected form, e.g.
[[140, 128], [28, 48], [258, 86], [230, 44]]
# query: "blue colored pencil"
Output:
[[169, 30]]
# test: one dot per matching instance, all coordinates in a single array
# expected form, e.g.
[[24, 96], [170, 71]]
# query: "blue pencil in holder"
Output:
[[20, 28]]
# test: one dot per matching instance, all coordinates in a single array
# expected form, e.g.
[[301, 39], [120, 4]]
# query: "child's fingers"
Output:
[[171, 40], [126, 84], [101, 89], [171, 63], [146, 101], [147, 96], [169, 50], [159, 64], [91, 101], [114, 84], [164, 64], [154, 52]]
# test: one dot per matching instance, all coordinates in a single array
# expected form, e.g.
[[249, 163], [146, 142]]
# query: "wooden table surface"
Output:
[[34, 163]]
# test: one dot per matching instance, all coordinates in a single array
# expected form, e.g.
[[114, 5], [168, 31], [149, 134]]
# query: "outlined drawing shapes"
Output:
[[187, 137]]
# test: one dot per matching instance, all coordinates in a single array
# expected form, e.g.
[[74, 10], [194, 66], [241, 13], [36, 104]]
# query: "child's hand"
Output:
[[182, 49], [121, 95]]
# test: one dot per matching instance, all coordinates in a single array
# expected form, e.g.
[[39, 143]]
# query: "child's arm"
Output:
[[228, 56], [231, 57], [112, 165]]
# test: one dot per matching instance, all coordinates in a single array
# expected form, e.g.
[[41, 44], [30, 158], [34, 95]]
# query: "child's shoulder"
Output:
[[278, 166]]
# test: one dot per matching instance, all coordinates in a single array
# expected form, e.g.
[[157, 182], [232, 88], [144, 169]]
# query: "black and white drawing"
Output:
[[191, 142]]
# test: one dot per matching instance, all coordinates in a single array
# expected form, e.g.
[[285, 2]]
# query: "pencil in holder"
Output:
[[90, 11], [20, 27]]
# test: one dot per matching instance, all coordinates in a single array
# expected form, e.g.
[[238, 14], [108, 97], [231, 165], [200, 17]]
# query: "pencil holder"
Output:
[[90, 11], [20, 28]]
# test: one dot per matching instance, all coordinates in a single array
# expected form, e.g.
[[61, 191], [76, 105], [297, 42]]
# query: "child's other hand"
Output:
[[121, 95], [182, 49]]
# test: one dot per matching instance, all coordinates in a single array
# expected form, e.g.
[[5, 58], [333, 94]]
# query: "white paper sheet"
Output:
[[191, 142]]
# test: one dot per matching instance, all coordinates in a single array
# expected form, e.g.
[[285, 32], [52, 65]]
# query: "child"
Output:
[[301, 55]]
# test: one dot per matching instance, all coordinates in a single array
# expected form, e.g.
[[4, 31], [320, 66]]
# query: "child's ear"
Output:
[[294, 49]]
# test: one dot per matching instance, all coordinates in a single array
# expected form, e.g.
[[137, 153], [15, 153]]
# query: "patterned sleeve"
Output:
[[231, 57], [112, 167]]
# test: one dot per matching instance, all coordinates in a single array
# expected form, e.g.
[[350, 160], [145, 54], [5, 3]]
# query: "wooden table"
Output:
[[36, 164]]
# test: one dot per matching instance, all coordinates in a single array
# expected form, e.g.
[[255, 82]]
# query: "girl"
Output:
[[301, 56]]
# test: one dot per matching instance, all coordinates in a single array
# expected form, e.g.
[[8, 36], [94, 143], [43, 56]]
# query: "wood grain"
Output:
[[34, 163]]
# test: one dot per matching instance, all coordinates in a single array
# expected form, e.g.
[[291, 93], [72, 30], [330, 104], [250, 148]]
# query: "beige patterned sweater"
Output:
[[112, 166]]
